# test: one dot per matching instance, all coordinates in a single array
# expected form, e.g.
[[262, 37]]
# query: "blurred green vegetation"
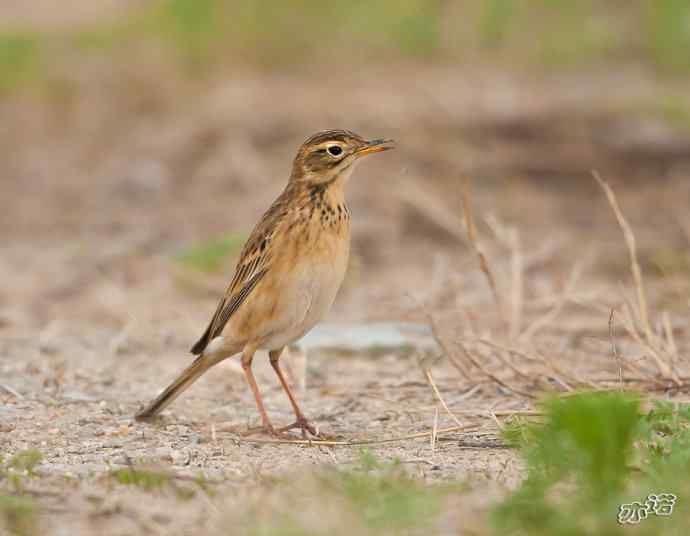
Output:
[[203, 34], [385, 496], [592, 453], [212, 255], [18, 513], [143, 478], [153, 480], [26, 461], [20, 467], [370, 498], [668, 27], [20, 55]]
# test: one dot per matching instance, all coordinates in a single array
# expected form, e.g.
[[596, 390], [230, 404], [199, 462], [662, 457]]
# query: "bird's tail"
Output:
[[192, 373]]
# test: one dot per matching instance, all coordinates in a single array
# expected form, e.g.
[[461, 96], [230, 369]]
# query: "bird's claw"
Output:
[[279, 433], [304, 427], [263, 429]]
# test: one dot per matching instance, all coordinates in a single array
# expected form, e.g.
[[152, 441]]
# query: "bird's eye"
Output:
[[335, 150]]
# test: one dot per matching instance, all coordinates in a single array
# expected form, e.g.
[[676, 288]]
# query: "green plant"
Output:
[[19, 57], [385, 496], [496, 20], [369, 498], [17, 515], [668, 25], [19, 467], [145, 479], [192, 25], [26, 461], [592, 453]]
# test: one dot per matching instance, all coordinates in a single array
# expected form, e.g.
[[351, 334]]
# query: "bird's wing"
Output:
[[253, 264]]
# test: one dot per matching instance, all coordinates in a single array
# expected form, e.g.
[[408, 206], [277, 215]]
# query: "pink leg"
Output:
[[247, 357], [301, 421]]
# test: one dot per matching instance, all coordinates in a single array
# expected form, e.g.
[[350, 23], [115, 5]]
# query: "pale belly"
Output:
[[311, 297], [285, 306]]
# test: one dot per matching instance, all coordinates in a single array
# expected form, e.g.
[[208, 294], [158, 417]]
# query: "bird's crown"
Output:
[[330, 154]]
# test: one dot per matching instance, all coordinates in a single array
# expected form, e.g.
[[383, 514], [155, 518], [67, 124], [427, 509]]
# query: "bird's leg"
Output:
[[301, 421], [247, 357]]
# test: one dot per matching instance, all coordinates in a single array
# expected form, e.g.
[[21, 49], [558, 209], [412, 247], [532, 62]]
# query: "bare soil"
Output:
[[101, 190]]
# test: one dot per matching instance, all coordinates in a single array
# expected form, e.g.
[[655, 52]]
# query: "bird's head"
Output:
[[331, 155]]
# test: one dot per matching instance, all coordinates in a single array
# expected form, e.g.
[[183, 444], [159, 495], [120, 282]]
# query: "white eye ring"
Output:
[[335, 150]]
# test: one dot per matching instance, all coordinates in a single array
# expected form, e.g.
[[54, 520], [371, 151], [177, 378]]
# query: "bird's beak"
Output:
[[376, 146]]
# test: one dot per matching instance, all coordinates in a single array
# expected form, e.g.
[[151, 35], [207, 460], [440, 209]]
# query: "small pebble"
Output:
[[161, 518], [164, 453], [180, 457], [120, 459]]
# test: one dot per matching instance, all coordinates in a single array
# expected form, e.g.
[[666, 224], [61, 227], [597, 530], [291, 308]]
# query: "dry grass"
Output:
[[642, 310], [518, 290], [511, 350]]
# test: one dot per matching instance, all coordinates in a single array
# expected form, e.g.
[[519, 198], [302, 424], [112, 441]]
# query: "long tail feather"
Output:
[[192, 373]]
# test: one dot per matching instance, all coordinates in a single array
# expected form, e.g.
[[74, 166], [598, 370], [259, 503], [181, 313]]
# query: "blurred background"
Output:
[[141, 141]]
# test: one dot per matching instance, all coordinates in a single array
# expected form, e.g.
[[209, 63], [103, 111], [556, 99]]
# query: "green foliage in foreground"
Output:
[[152, 480], [18, 513], [384, 496], [26, 461], [145, 479], [19, 467], [592, 453], [372, 498]]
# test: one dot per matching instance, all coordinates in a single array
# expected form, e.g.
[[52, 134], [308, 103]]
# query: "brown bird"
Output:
[[288, 273]]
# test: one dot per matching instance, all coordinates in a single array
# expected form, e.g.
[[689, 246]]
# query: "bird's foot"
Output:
[[268, 430], [303, 425]]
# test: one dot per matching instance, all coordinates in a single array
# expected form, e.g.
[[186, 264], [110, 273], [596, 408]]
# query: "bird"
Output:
[[288, 273]]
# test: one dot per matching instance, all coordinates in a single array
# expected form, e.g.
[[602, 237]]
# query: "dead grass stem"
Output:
[[665, 369], [477, 363], [359, 442], [614, 350], [477, 247], [447, 350], [437, 393], [552, 314]]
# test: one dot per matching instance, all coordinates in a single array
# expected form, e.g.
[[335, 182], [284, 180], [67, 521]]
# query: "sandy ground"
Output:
[[97, 315]]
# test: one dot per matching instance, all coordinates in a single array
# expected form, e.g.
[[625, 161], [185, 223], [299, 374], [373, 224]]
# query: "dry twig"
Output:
[[434, 430], [501, 353], [516, 285], [11, 391], [670, 339], [357, 442], [614, 350], [491, 376], [664, 368], [452, 357], [551, 315], [432, 384], [472, 237]]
